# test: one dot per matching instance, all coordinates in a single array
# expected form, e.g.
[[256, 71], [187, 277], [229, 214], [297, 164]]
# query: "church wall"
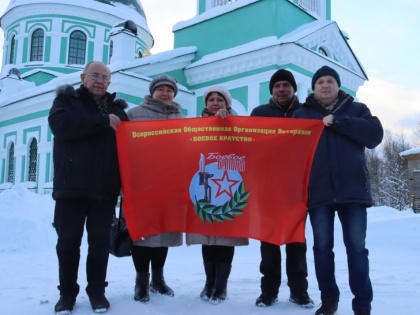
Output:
[[257, 20]]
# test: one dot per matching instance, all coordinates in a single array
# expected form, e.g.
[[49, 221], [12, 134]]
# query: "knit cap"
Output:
[[323, 71], [282, 75], [163, 79]]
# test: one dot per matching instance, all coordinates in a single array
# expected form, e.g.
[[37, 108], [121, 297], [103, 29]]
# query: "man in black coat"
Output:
[[282, 104], [339, 182], [86, 181]]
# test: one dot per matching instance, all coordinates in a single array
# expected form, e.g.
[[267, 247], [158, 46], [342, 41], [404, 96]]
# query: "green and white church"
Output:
[[238, 44]]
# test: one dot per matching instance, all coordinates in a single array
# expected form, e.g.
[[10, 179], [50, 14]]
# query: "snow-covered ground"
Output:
[[28, 268]]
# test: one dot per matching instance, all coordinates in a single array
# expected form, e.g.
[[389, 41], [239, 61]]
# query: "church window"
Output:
[[77, 48], [12, 49], [11, 164], [37, 45], [33, 159]]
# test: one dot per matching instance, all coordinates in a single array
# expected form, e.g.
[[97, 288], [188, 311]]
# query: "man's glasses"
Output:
[[98, 77]]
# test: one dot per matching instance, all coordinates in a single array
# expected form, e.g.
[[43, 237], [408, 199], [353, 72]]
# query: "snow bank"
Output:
[[25, 220]]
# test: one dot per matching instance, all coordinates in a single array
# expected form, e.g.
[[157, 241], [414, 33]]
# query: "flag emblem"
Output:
[[217, 190]]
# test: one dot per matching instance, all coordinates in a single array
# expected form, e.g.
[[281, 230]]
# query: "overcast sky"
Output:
[[383, 34]]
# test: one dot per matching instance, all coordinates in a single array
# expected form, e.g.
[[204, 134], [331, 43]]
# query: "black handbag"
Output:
[[120, 240]]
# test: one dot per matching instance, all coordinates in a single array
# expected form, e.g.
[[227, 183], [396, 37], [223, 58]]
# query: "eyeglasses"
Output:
[[98, 77]]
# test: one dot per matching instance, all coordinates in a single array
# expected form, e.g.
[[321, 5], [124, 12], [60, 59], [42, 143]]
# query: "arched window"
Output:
[[33, 159], [11, 164], [37, 45], [12, 49], [77, 48]]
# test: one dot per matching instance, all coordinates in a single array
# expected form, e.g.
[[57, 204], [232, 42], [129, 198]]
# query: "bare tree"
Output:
[[393, 177], [374, 165]]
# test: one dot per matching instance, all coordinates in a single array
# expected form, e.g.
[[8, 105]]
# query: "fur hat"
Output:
[[163, 80], [282, 75], [323, 71], [222, 91]]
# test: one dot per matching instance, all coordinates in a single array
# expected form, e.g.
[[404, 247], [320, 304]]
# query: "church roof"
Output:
[[124, 9]]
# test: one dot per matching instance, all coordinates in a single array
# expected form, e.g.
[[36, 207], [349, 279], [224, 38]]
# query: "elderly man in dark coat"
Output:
[[86, 181], [283, 103], [339, 183]]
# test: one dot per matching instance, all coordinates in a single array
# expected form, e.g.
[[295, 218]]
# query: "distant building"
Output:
[[238, 44], [413, 159]]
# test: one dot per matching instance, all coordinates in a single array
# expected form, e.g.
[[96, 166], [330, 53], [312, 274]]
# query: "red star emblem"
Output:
[[225, 184]]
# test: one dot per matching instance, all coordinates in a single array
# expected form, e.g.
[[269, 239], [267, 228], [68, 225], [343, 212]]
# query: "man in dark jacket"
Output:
[[86, 181], [339, 182], [282, 104]]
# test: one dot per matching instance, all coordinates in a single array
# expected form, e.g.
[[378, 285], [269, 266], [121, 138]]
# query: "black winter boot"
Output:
[[65, 305], [97, 299], [209, 287], [302, 299], [327, 309], [269, 291], [361, 312], [99, 302], [141, 290], [158, 283], [222, 276]]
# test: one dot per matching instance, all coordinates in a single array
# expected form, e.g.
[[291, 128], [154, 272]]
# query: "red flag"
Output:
[[238, 176]]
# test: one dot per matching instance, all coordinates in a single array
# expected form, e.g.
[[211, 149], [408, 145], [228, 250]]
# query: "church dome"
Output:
[[123, 9]]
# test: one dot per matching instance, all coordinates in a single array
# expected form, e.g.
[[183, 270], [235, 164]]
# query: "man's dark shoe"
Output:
[[158, 284], [302, 300], [361, 312], [99, 303], [263, 301], [327, 309], [65, 305]]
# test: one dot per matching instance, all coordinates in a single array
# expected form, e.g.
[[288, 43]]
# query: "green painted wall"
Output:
[[25, 50], [62, 70], [47, 48], [63, 50], [40, 78], [264, 92], [130, 98], [201, 6], [241, 26], [179, 75], [90, 51], [47, 168], [241, 95], [22, 173], [200, 105], [105, 54], [23, 118], [3, 169], [328, 5]]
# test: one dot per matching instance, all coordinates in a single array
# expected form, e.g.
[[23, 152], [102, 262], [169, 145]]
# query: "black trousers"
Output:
[[69, 221], [143, 256], [296, 267], [218, 254]]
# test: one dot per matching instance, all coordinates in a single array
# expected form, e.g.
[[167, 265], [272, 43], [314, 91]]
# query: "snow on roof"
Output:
[[132, 11], [412, 151], [160, 57], [209, 14], [74, 78], [261, 43]]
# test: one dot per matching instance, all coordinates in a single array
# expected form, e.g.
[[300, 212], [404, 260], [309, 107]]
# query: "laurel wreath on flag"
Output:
[[234, 206]]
